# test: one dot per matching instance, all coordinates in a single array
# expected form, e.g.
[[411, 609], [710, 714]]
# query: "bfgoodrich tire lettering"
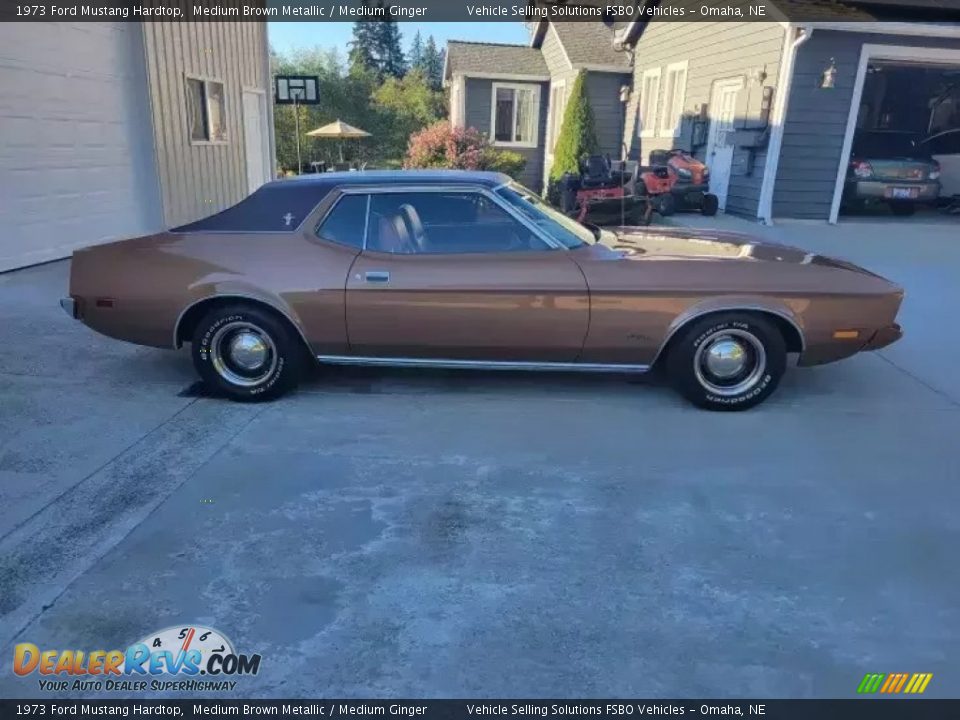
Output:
[[246, 353], [727, 361]]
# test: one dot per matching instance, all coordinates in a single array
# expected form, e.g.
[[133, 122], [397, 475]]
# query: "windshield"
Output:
[[565, 230], [890, 144]]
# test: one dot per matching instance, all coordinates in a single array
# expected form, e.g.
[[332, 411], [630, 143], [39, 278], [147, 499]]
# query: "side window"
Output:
[[445, 223], [346, 222]]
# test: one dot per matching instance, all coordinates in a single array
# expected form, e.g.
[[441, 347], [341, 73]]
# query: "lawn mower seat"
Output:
[[595, 172]]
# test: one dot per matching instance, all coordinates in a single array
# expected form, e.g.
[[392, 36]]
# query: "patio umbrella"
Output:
[[339, 130]]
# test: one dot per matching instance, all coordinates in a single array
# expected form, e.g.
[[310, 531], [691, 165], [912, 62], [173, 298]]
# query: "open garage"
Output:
[[877, 107], [905, 152]]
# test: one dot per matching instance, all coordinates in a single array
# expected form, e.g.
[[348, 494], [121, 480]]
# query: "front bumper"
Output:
[[70, 307], [884, 190], [883, 337]]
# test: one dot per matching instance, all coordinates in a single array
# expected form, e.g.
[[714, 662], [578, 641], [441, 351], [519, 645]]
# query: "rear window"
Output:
[[346, 223], [880, 145]]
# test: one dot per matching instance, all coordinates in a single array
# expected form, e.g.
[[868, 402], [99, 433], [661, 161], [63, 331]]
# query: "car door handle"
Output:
[[378, 276]]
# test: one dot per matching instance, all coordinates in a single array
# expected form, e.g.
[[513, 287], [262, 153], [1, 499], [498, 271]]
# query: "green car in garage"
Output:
[[888, 166]]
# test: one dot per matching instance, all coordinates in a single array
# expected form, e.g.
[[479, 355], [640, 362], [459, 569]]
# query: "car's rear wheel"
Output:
[[903, 209], [727, 361], [246, 353]]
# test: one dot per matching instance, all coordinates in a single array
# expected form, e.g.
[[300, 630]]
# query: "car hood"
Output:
[[711, 245]]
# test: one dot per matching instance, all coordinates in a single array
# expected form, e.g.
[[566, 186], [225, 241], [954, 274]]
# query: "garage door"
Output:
[[76, 149]]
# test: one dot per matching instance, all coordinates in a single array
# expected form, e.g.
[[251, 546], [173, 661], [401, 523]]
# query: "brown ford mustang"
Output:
[[470, 270]]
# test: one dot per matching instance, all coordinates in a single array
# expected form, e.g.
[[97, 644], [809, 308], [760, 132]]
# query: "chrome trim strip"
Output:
[[366, 222], [234, 296], [481, 364], [732, 308]]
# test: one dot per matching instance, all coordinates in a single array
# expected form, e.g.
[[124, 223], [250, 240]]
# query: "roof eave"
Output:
[[506, 76], [590, 67]]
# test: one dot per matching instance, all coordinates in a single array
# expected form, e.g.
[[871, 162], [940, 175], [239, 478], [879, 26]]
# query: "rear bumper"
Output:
[[883, 190], [883, 337], [70, 307]]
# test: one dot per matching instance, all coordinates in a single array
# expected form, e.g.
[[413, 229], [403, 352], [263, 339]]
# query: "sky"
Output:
[[285, 36]]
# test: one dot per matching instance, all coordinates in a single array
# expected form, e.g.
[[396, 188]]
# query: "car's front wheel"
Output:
[[246, 353], [728, 361]]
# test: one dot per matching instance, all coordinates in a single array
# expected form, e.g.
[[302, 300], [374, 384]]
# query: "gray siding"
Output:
[[817, 119], [713, 51], [197, 180], [554, 56], [603, 92], [477, 111]]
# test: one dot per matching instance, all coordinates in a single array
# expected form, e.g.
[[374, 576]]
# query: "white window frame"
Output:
[[647, 107], [671, 118], [204, 80], [554, 123], [493, 114]]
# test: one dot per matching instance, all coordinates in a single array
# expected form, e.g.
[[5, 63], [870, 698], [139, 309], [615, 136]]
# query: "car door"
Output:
[[450, 274]]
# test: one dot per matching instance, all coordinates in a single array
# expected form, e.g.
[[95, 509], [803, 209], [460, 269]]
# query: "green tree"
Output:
[[578, 135], [406, 105], [433, 62], [376, 46], [362, 47], [392, 60], [416, 52]]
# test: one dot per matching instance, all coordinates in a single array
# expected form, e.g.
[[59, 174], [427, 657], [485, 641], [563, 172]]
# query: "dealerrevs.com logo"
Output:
[[187, 658]]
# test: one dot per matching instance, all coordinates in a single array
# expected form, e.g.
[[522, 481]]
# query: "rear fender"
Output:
[[236, 289]]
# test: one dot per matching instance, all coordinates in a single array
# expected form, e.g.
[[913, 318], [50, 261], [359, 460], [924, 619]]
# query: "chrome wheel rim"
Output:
[[243, 354], [730, 362]]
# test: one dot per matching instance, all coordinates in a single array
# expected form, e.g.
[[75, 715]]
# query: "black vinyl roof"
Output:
[[281, 205]]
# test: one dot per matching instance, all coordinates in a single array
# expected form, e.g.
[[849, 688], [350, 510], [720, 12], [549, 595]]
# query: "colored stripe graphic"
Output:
[[903, 679], [893, 683], [870, 683], [918, 683]]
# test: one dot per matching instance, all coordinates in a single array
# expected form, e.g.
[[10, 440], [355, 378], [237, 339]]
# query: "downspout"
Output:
[[784, 86]]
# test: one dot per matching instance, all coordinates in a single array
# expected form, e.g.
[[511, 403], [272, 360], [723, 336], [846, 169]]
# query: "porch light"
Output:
[[829, 78]]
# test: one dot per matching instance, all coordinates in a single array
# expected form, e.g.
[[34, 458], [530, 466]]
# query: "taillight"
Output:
[[935, 172], [862, 169]]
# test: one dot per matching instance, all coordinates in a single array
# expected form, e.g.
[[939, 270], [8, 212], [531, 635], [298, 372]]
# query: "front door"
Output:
[[450, 274], [723, 114]]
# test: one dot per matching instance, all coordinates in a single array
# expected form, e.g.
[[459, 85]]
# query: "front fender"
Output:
[[742, 303]]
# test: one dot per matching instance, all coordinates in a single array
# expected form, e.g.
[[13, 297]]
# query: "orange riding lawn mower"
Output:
[[628, 193]]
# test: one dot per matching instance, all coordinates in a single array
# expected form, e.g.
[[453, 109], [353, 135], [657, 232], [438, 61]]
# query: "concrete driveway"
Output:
[[413, 534]]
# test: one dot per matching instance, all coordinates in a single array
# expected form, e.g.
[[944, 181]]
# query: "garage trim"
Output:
[[877, 52]]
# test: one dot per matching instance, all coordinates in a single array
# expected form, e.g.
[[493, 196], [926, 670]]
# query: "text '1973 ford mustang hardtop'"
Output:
[[470, 270]]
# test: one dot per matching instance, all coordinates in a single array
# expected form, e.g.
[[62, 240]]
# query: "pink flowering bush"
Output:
[[442, 146]]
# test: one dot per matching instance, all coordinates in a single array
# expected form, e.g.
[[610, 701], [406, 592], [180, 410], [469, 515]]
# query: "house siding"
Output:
[[555, 57], [603, 92], [479, 95], [713, 52], [197, 180], [817, 119]]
